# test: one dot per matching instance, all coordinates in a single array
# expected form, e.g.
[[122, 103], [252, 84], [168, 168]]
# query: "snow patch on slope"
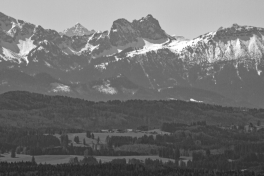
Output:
[[142, 45], [25, 46], [106, 88], [101, 66], [149, 45], [56, 87], [193, 100], [8, 55]]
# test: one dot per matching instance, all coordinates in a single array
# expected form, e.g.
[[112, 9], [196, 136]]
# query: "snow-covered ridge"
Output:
[[133, 39]]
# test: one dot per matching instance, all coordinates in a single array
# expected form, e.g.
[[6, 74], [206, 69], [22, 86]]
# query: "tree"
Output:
[[64, 140], [76, 139], [71, 149], [119, 161], [19, 149], [177, 154], [89, 160], [88, 134], [259, 123], [182, 164], [208, 153], [107, 139], [86, 153], [33, 159], [25, 149], [13, 153], [74, 160]]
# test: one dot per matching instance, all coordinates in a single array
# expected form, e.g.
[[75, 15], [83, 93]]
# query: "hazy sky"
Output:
[[188, 18]]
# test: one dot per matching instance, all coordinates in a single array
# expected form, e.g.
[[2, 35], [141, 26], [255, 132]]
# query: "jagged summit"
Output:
[[77, 30], [239, 30], [235, 25], [149, 16], [123, 32], [150, 28]]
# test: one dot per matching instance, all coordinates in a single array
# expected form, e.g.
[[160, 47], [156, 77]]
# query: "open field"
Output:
[[60, 159], [49, 159]]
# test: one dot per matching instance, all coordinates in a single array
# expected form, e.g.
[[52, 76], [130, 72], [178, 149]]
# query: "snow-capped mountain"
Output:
[[135, 60], [77, 30]]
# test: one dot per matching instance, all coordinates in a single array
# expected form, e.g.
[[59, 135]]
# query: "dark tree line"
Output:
[[90, 167], [135, 111]]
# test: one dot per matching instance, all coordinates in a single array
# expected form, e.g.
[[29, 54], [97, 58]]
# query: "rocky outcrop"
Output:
[[122, 32], [149, 28]]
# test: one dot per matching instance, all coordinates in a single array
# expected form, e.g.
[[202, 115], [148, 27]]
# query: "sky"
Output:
[[188, 18]]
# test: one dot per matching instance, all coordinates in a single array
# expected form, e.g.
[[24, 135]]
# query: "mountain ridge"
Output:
[[228, 62]]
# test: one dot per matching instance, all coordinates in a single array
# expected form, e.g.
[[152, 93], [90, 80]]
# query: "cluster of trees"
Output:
[[172, 127], [223, 162], [143, 149], [89, 160], [197, 140], [181, 140], [244, 148], [37, 141], [89, 134], [89, 166], [117, 141], [173, 153], [24, 140], [55, 108], [76, 139]]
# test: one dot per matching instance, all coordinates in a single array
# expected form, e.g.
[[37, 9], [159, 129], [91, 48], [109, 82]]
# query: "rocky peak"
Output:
[[78, 24], [77, 30], [122, 32], [149, 27], [149, 16], [235, 25]]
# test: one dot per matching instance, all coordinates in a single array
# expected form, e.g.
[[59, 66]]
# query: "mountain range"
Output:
[[134, 60]]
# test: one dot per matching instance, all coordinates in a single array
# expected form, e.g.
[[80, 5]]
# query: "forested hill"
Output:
[[24, 109]]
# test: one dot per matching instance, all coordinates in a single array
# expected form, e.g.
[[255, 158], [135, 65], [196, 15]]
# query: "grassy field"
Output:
[[49, 159], [60, 159]]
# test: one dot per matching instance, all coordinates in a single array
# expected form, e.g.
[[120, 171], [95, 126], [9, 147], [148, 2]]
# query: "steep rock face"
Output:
[[100, 44], [77, 30], [150, 28], [122, 32]]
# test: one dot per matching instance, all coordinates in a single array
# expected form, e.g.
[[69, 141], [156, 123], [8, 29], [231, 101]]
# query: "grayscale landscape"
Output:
[[134, 99]]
